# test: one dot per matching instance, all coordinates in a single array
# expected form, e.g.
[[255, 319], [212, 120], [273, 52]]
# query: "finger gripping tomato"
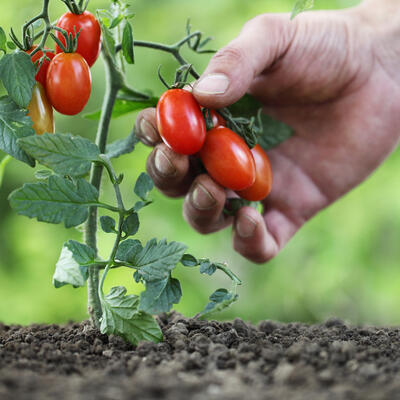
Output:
[[89, 43], [262, 186], [41, 69], [69, 83], [228, 159], [41, 111], [180, 121]]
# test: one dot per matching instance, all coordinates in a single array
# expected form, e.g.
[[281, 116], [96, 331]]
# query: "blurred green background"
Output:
[[345, 262]]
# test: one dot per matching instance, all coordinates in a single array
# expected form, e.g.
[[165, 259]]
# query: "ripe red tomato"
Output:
[[218, 120], [69, 83], [228, 159], [89, 43], [42, 72], [41, 111], [262, 186], [180, 121]]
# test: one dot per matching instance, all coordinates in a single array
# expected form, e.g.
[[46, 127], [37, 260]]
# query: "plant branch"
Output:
[[174, 50], [113, 85], [112, 257], [46, 31], [229, 273]]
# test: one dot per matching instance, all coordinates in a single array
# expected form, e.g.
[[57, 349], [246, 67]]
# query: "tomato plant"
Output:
[[41, 111], [180, 121], [69, 190], [42, 66], [227, 159], [89, 43], [262, 186], [68, 83]]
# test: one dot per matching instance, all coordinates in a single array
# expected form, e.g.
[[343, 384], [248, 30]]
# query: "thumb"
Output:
[[262, 41]]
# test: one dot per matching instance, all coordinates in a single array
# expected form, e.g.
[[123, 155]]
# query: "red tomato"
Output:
[[41, 111], [228, 159], [180, 121], [42, 72], [69, 83], [218, 119], [89, 43], [262, 186]]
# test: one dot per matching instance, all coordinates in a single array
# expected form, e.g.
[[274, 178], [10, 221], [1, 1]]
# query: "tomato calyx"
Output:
[[181, 77], [71, 40], [76, 8]]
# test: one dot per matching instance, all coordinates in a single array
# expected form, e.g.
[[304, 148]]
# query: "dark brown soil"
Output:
[[202, 360]]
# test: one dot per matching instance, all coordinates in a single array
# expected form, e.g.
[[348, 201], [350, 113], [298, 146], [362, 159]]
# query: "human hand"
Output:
[[333, 77]]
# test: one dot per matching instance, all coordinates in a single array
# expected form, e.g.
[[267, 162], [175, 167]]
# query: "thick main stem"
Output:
[[113, 84]]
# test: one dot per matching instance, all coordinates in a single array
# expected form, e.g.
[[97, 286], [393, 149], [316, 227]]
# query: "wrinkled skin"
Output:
[[333, 76]]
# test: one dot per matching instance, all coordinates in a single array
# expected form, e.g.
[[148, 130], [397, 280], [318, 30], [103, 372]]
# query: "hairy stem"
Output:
[[174, 50], [113, 84], [112, 257]]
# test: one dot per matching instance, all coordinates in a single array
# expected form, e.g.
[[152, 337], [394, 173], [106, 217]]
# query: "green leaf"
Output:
[[123, 107], [43, 174], [72, 266], [107, 224], [188, 260], [122, 146], [144, 185], [156, 260], [121, 317], [233, 205], [160, 296], [11, 45], [14, 124], [116, 21], [107, 38], [18, 75], [300, 6], [207, 268], [274, 132], [128, 250], [65, 154], [127, 43], [3, 41], [219, 300], [141, 204], [57, 200], [131, 225]]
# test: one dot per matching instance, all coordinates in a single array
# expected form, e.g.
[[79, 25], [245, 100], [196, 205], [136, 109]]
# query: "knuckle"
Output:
[[230, 55]]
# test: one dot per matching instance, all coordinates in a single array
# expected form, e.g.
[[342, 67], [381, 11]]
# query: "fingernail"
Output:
[[148, 132], [212, 84], [163, 164], [245, 227], [202, 198]]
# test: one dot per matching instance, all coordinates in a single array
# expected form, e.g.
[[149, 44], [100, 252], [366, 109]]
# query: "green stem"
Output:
[[113, 84], [228, 272], [112, 257], [114, 180], [3, 165], [171, 49], [46, 32]]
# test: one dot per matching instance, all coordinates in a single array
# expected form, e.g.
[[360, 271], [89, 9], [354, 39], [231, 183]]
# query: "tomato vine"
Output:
[[62, 193]]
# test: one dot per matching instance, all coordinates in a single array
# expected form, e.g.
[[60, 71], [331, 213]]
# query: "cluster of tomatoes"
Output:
[[64, 83], [224, 154]]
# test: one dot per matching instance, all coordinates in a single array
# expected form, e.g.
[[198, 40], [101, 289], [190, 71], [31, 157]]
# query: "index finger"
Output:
[[146, 127]]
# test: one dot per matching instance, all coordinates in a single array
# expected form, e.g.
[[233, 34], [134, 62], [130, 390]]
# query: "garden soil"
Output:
[[202, 360]]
